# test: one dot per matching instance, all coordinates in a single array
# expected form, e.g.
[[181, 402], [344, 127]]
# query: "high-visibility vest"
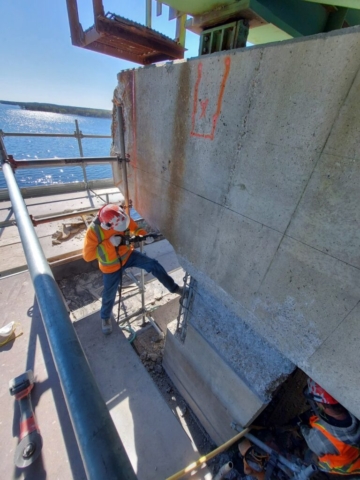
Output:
[[102, 255], [347, 462]]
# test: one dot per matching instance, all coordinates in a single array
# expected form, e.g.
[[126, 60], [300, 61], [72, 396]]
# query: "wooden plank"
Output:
[[140, 35], [12, 255], [114, 52]]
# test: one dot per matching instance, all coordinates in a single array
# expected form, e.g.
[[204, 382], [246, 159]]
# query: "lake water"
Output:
[[15, 120]]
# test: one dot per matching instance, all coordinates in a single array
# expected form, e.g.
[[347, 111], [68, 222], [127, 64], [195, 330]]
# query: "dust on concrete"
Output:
[[150, 348], [253, 359], [82, 294]]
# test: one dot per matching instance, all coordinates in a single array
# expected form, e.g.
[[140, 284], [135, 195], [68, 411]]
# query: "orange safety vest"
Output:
[[96, 246], [347, 462]]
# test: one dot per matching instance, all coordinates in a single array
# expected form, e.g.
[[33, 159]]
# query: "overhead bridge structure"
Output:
[[221, 24]]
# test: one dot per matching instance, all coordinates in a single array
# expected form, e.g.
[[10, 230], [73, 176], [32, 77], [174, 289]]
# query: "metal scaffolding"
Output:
[[100, 446]]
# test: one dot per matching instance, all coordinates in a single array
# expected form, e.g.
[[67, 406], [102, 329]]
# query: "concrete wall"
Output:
[[223, 369], [248, 162]]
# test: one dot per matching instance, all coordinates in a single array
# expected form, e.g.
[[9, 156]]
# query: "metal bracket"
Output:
[[120, 160], [12, 162]]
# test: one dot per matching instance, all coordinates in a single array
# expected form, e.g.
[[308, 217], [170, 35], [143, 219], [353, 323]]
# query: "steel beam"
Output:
[[121, 128], [338, 3], [76, 31]]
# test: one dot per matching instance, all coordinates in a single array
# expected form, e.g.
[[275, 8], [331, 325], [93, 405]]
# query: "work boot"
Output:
[[106, 326], [182, 291]]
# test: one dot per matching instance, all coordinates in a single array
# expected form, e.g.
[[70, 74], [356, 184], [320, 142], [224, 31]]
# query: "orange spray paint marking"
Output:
[[204, 103]]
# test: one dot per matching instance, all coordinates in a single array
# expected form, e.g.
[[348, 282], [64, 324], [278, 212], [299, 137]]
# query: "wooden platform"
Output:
[[119, 37]]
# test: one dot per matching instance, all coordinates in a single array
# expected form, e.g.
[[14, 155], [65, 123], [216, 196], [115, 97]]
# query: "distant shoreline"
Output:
[[64, 109]]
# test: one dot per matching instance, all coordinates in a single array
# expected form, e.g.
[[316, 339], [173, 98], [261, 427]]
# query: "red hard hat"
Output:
[[319, 394], [113, 216]]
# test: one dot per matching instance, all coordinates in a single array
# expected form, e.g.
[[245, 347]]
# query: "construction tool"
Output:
[[30, 440], [295, 470], [127, 239]]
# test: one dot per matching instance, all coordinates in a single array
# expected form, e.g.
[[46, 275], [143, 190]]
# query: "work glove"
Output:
[[149, 240], [115, 240]]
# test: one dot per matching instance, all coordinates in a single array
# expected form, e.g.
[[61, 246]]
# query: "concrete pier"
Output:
[[248, 162]]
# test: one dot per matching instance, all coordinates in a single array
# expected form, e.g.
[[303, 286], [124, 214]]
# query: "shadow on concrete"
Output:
[[151, 434], [38, 339]]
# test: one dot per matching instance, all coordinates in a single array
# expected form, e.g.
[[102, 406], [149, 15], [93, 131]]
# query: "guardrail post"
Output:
[[78, 135]]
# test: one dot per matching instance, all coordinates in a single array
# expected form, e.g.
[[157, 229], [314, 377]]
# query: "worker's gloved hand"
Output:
[[115, 240], [149, 240]]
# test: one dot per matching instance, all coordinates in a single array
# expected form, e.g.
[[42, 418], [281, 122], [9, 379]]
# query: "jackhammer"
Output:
[[127, 239], [294, 470], [30, 444]]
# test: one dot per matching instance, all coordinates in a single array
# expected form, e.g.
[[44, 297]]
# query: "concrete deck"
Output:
[[150, 432]]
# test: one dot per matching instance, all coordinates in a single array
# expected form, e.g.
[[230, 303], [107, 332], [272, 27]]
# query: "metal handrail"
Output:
[[63, 162], [100, 446], [72, 135], [77, 134]]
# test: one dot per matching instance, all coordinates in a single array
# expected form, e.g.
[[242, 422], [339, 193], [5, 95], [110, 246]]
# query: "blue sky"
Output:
[[39, 64]]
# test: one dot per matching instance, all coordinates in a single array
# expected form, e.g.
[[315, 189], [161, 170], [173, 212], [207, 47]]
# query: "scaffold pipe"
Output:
[[61, 162], [123, 156]]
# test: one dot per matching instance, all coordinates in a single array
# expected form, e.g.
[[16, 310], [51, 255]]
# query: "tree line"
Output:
[[64, 109]]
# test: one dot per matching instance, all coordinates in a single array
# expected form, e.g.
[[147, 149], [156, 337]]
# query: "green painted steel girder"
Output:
[[197, 7], [296, 18], [338, 3], [353, 17], [282, 19]]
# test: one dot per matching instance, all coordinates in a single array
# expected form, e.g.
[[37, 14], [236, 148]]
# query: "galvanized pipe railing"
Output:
[[123, 156], [55, 135], [77, 134], [62, 162], [101, 449]]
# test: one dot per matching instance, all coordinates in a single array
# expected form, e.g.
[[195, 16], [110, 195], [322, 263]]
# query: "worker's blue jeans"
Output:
[[112, 280]]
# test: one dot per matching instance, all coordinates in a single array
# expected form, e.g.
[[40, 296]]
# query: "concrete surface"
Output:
[[214, 392], [248, 162], [60, 458], [223, 377], [151, 434]]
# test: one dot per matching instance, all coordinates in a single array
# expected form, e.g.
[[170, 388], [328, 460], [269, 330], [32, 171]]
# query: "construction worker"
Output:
[[333, 434], [104, 241], [253, 461]]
